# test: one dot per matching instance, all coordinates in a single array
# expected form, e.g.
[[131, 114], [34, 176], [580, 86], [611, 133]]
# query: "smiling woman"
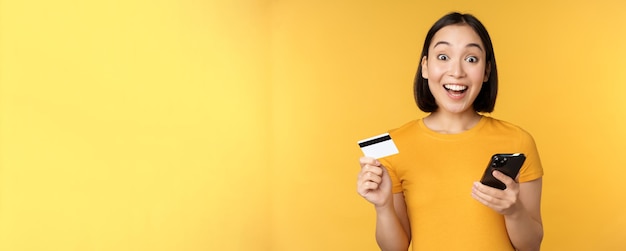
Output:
[[457, 79], [470, 45], [455, 67]]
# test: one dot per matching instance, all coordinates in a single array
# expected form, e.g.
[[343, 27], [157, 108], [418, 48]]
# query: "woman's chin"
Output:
[[456, 108]]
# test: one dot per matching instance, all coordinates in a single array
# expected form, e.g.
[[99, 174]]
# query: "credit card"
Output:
[[378, 146]]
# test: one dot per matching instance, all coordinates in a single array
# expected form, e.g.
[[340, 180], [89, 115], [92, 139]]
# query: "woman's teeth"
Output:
[[458, 88]]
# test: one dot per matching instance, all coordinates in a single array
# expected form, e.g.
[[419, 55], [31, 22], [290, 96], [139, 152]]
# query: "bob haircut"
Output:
[[486, 99]]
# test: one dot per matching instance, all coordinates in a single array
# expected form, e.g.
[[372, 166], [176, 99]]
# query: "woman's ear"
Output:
[[487, 72], [425, 67]]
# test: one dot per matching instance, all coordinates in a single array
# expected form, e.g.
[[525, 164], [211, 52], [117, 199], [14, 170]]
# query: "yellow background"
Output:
[[232, 125]]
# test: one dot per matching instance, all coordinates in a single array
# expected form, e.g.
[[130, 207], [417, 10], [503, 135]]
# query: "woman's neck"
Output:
[[451, 123]]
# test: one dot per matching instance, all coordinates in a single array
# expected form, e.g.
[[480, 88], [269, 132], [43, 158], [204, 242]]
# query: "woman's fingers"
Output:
[[368, 161], [373, 182], [369, 179], [370, 176], [502, 201], [508, 181], [485, 194]]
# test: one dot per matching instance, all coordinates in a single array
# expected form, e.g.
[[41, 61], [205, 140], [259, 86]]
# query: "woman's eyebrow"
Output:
[[468, 45], [475, 45], [441, 42]]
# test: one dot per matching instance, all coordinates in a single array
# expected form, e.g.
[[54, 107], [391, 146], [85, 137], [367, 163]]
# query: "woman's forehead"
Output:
[[457, 35]]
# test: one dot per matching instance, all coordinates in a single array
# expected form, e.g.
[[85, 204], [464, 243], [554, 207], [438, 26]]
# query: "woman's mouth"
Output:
[[455, 89]]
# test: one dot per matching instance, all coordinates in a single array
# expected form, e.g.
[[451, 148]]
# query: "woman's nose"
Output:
[[456, 69]]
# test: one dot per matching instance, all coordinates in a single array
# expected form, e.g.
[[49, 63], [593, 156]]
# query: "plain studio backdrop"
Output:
[[232, 125]]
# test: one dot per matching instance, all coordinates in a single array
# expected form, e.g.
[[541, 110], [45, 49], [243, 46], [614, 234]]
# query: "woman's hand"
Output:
[[373, 182], [505, 202]]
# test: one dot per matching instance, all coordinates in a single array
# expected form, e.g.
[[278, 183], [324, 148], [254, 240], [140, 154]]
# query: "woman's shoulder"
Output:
[[501, 126], [406, 128]]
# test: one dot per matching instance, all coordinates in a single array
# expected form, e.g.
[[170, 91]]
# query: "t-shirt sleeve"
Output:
[[532, 168], [396, 185]]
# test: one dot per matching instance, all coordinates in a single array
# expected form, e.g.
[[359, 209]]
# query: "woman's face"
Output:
[[455, 68]]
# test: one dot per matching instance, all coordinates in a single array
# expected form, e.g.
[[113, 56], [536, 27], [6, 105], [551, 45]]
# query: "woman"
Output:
[[427, 194]]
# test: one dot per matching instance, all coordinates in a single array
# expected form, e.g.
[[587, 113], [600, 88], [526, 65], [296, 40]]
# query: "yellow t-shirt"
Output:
[[436, 171]]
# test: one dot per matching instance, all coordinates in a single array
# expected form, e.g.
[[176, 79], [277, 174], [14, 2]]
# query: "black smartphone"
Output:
[[507, 163]]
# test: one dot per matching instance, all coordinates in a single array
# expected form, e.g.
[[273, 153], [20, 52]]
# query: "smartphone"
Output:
[[507, 163]]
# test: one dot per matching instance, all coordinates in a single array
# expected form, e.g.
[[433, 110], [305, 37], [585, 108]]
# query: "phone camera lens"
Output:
[[502, 162], [495, 162]]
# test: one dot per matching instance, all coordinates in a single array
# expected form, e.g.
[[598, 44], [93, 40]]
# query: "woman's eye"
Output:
[[471, 59], [442, 57]]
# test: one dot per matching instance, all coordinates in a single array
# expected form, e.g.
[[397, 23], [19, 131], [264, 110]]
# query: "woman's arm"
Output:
[[393, 231], [392, 223], [525, 227]]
